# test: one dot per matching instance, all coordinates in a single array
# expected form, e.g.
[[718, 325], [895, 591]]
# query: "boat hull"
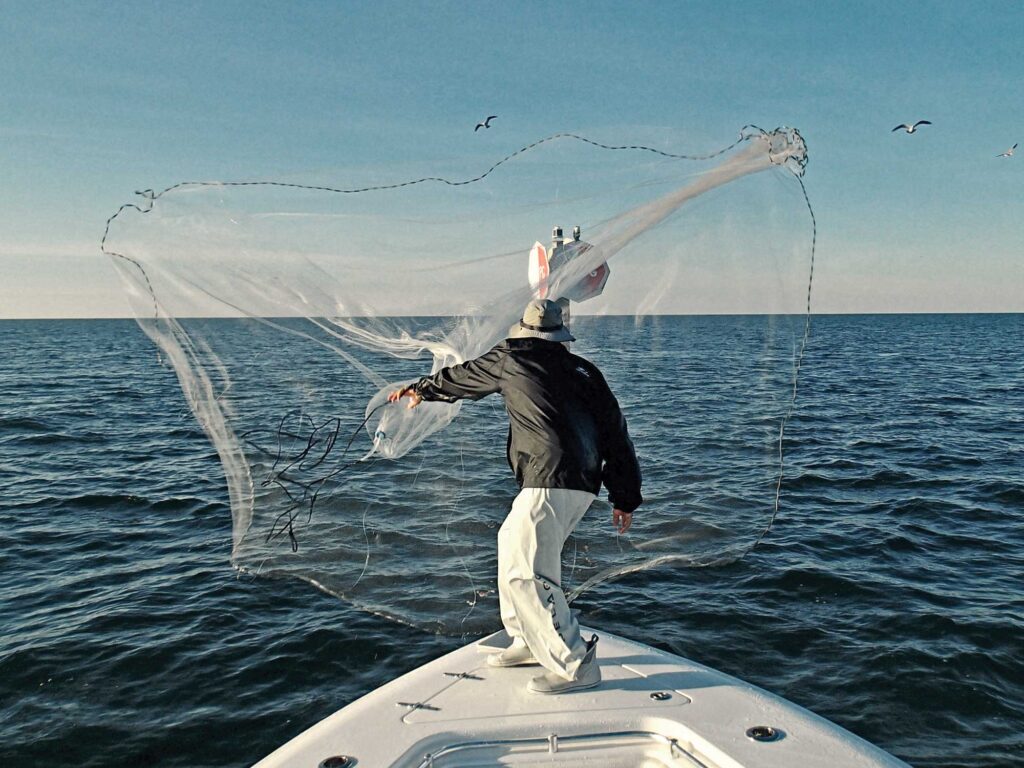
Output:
[[652, 709]]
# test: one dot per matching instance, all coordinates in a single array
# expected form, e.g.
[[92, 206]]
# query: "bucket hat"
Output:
[[542, 319]]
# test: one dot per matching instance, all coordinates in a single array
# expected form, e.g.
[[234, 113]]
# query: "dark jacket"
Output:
[[565, 426]]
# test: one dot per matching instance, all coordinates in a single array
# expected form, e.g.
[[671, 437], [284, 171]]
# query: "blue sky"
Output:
[[99, 100]]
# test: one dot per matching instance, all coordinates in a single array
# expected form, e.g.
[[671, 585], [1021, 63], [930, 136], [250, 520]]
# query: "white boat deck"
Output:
[[652, 709]]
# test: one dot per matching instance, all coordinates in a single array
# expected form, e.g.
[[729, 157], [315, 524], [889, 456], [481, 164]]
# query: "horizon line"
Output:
[[575, 315]]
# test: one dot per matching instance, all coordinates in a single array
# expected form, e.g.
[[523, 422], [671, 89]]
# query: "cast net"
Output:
[[290, 308]]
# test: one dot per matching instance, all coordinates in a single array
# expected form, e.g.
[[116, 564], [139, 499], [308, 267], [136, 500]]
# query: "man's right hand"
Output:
[[622, 520], [412, 394]]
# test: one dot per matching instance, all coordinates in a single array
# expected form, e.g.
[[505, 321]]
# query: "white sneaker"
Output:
[[587, 676], [516, 655]]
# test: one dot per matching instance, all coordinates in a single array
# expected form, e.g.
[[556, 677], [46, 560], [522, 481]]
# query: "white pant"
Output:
[[533, 606]]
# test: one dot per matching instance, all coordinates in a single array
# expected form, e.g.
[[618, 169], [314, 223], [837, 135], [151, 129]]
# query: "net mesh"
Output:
[[289, 309]]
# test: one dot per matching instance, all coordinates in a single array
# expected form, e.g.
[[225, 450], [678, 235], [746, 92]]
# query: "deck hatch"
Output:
[[620, 746]]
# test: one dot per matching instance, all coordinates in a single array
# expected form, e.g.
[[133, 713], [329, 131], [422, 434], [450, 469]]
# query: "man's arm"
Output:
[[471, 380], [621, 472]]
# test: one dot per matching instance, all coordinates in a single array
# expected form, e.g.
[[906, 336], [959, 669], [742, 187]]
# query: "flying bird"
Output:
[[911, 128], [1009, 152], [485, 124]]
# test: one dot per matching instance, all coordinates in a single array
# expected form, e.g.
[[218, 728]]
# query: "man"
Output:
[[566, 436]]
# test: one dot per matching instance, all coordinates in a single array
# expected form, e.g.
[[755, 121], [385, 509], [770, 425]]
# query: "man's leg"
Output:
[[506, 548], [518, 652], [530, 563]]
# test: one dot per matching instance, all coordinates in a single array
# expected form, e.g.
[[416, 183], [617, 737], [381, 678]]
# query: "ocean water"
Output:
[[888, 597]]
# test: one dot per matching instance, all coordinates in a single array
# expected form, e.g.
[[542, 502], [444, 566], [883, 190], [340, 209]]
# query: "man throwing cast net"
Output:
[[567, 436]]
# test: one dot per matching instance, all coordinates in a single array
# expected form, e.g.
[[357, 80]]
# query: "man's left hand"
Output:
[[622, 520]]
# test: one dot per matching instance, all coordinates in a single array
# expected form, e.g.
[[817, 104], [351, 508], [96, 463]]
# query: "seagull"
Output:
[[911, 128], [1009, 152], [485, 124]]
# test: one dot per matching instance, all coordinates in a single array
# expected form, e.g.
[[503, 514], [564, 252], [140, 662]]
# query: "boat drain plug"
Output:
[[764, 733], [337, 761]]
